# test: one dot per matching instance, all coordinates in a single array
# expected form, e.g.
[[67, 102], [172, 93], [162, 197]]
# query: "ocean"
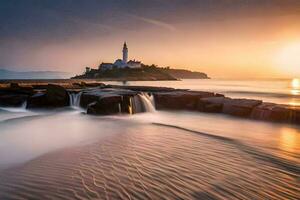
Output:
[[282, 91], [66, 154]]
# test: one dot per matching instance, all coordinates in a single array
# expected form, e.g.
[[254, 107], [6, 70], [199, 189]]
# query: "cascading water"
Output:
[[24, 105], [148, 102], [75, 99], [22, 108], [137, 106], [143, 103]]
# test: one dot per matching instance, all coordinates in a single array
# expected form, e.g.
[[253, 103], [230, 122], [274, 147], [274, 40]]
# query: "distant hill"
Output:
[[8, 74], [185, 74]]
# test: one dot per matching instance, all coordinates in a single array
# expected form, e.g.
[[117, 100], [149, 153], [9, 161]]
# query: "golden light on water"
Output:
[[295, 83], [295, 90], [289, 139]]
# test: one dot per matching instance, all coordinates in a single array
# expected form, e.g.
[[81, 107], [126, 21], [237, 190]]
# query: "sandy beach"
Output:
[[142, 160]]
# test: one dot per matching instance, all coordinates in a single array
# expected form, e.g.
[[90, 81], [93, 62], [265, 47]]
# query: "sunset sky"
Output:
[[226, 39]]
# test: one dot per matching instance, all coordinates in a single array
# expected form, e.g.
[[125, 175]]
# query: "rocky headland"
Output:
[[101, 99], [144, 73]]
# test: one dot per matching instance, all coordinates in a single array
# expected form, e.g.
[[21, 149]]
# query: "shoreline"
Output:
[[36, 81], [102, 99]]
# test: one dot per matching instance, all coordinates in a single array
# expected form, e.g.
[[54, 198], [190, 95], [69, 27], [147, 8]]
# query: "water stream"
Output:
[[75, 99]]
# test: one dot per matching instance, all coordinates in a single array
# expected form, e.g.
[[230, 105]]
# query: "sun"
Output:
[[288, 58], [295, 83]]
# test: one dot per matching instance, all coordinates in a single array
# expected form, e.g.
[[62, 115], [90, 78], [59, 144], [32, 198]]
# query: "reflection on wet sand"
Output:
[[170, 164], [161, 155]]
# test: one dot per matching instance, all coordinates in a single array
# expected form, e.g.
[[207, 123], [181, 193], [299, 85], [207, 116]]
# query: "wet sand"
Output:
[[150, 161]]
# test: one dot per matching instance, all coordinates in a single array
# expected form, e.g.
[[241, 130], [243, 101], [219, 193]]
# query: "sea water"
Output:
[[283, 91]]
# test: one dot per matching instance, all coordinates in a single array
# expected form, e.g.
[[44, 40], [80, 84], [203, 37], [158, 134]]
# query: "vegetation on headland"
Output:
[[185, 74], [145, 73]]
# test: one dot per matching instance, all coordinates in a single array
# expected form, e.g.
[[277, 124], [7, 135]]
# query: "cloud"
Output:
[[157, 23]]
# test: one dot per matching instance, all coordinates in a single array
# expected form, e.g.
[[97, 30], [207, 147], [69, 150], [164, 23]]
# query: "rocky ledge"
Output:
[[101, 99]]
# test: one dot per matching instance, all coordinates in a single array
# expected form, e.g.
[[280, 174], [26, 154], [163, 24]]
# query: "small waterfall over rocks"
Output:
[[136, 105], [24, 105], [102, 103], [143, 102], [148, 102], [21, 108], [75, 99]]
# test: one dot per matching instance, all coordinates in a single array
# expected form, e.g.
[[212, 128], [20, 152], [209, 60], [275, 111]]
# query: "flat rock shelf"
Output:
[[101, 99]]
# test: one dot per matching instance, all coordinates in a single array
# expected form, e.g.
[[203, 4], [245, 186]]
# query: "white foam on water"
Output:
[[22, 108], [75, 100], [148, 102]]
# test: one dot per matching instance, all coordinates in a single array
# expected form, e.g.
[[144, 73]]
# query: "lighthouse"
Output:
[[123, 63], [125, 53]]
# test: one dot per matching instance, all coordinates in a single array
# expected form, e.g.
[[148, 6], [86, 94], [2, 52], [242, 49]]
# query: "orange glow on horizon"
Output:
[[288, 59], [231, 48]]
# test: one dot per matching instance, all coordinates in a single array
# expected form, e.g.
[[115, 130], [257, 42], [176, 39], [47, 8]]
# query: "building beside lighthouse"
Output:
[[121, 63]]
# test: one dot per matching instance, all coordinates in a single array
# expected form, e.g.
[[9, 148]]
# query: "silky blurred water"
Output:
[[67, 154]]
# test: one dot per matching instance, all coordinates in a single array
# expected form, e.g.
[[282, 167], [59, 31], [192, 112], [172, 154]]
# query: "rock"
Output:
[[87, 84], [14, 85], [88, 98], [12, 100], [38, 100], [219, 95], [111, 101], [94, 95], [179, 100], [16, 89], [295, 115], [14, 95], [54, 97], [239, 107], [108, 101], [107, 105], [57, 95], [235, 107], [276, 112], [40, 86], [126, 105], [94, 84], [143, 88], [211, 104]]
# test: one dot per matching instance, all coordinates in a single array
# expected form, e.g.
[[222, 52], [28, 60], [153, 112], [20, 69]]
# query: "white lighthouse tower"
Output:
[[123, 63], [125, 53]]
